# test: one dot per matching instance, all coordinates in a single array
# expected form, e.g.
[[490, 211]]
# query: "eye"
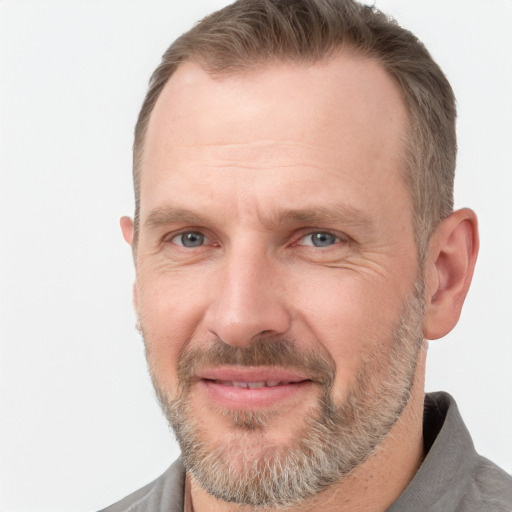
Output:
[[319, 239], [189, 239]]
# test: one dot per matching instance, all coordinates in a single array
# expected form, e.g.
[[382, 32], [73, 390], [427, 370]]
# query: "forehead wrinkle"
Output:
[[257, 155], [249, 143]]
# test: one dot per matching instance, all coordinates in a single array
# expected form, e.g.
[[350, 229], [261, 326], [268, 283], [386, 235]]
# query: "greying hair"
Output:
[[251, 33]]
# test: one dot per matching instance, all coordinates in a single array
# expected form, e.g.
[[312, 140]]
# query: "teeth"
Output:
[[253, 385]]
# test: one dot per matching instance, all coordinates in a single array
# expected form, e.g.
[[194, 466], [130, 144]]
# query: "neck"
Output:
[[371, 487]]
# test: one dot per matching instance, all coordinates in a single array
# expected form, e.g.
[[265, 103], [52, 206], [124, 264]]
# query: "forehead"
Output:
[[346, 92], [345, 116]]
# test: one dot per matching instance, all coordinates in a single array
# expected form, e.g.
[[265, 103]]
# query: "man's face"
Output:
[[276, 265]]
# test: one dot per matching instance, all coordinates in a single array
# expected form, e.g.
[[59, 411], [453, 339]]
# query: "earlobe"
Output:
[[451, 260], [127, 229]]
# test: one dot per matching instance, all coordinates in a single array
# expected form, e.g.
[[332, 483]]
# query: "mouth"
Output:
[[252, 388], [253, 385]]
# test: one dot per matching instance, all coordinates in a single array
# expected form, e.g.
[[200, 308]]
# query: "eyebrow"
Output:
[[169, 215], [345, 215]]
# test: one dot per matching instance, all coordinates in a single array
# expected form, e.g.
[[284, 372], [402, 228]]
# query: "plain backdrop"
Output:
[[79, 425]]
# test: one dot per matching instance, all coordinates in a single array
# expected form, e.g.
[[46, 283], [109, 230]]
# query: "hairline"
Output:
[[407, 139]]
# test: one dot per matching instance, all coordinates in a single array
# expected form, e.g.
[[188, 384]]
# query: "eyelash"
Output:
[[338, 238], [170, 239]]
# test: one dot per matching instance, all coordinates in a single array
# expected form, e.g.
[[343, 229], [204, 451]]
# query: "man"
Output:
[[295, 246]]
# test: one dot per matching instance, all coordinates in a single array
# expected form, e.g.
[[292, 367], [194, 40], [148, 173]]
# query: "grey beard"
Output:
[[334, 439]]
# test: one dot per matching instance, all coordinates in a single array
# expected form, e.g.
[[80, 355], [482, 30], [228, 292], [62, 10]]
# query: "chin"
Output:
[[280, 456]]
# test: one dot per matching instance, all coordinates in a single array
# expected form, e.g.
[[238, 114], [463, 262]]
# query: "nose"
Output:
[[249, 300]]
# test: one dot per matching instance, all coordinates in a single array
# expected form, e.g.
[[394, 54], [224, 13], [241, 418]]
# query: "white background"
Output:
[[79, 425]]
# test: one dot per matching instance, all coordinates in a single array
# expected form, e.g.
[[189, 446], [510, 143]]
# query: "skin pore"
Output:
[[274, 209]]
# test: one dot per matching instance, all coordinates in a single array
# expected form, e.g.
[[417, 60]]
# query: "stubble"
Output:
[[334, 438]]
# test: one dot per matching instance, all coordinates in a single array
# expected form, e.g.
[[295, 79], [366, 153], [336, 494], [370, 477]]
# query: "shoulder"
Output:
[[163, 494], [479, 484], [453, 476], [489, 489]]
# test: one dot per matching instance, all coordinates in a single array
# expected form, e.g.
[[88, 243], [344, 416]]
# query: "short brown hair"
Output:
[[249, 33]]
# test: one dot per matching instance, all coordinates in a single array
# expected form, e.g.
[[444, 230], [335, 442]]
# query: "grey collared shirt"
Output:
[[452, 478]]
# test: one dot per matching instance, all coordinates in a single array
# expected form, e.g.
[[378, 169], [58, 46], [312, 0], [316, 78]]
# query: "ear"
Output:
[[449, 267], [127, 229]]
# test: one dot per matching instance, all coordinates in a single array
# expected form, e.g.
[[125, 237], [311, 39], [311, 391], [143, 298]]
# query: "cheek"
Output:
[[170, 308], [351, 318]]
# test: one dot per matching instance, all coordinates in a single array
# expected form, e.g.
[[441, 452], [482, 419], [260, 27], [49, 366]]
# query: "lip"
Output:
[[251, 374], [225, 386]]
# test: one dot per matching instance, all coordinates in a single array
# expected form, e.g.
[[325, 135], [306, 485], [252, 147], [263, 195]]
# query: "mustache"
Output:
[[261, 352]]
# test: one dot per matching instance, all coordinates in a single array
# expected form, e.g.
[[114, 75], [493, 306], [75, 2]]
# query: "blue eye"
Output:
[[320, 239], [189, 239]]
